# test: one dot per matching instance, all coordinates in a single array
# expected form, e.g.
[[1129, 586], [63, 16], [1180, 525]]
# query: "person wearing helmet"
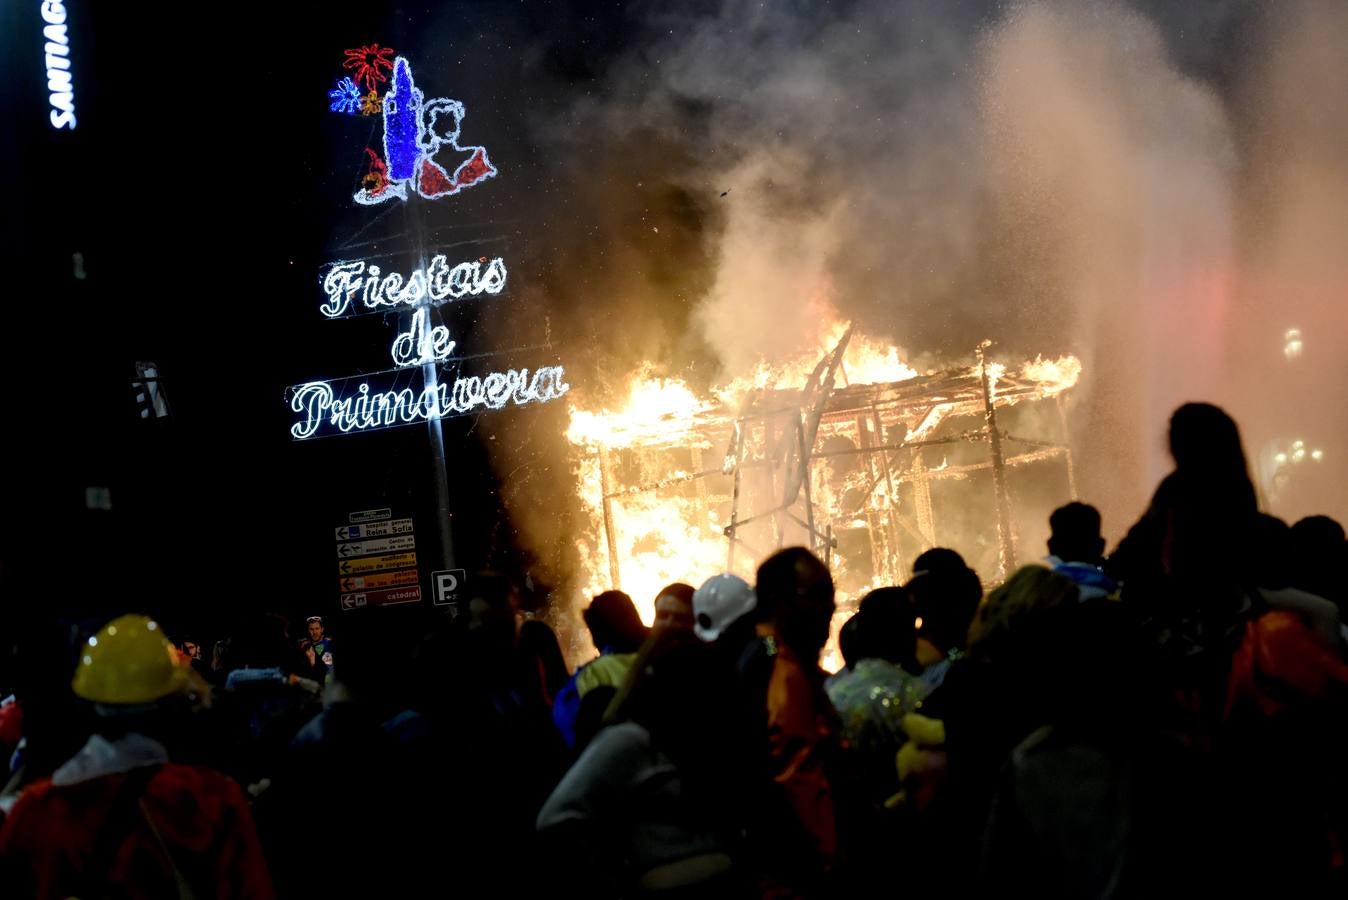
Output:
[[118, 816], [721, 602]]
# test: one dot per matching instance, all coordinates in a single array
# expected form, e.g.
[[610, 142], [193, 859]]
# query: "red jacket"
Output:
[[201, 815]]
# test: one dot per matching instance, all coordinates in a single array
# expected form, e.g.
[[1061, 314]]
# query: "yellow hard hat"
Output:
[[129, 662]]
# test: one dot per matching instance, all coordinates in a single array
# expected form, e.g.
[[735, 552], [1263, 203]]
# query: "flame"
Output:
[[1056, 375], [650, 404], [653, 468]]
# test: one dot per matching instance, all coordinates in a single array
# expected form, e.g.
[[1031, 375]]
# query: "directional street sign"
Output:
[[375, 563], [369, 515], [386, 597], [447, 584], [378, 545], [383, 579], [374, 529]]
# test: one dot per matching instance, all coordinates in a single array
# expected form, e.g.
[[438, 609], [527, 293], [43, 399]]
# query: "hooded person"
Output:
[[119, 817]]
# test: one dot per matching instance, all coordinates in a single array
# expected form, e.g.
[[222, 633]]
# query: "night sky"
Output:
[[205, 185], [1156, 223]]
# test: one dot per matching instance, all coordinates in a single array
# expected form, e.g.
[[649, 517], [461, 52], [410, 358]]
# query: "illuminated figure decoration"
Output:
[[376, 179], [370, 64], [371, 104], [346, 98], [415, 131]]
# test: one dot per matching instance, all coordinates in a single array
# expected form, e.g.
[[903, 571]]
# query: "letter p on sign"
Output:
[[446, 585]]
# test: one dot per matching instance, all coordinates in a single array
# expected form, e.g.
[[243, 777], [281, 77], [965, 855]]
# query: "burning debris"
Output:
[[837, 453]]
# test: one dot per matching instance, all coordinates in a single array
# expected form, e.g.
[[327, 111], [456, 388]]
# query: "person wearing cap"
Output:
[[118, 817]]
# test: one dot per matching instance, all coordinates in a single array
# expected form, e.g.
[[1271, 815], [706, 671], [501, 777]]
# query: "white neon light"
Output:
[[60, 82], [420, 345], [438, 281], [317, 403]]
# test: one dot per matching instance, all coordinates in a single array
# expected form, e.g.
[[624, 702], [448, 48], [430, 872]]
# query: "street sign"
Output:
[[378, 545], [369, 515], [374, 529], [447, 583], [375, 563], [386, 597], [383, 579]]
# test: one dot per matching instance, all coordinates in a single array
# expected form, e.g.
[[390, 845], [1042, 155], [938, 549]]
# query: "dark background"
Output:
[[205, 184]]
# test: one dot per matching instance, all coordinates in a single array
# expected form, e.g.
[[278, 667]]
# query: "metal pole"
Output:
[[735, 495], [891, 508], [434, 432], [608, 520], [1007, 556], [807, 458]]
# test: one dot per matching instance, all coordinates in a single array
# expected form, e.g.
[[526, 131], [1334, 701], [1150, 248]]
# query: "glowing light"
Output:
[[652, 461], [651, 403], [1056, 375], [415, 131], [345, 97], [369, 63], [1280, 458], [60, 80], [402, 121], [1317, 455], [420, 345], [365, 410], [344, 281], [1292, 343], [371, 104]]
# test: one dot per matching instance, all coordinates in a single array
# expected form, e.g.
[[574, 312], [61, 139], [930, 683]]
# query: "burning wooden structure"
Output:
[[716, 486]]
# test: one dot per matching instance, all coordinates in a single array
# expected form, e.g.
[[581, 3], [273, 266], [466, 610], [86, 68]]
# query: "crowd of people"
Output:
[[1165, 719]]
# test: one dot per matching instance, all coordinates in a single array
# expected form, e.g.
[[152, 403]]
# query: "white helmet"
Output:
[[718, 603]]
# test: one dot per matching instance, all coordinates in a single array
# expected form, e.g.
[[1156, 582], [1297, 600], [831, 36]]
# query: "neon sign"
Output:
[[416, 132], [418, 345], [60, 83], [345, 281], [325, 410], [359, 287]]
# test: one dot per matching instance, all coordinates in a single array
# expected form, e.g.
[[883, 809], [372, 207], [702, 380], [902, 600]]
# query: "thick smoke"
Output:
[[1104, 179]]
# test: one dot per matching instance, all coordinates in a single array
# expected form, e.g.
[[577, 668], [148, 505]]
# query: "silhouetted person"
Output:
[[674, 607], [1320, 560], [945, 594], [653, 805], [1077, 549], [1201, 518], [877, 689], [803, 733], [618, 633]]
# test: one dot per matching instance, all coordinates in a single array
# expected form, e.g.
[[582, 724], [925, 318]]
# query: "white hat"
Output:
[[718, 603]]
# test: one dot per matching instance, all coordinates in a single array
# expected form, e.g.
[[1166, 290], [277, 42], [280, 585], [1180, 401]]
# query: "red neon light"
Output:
[[369, 64]]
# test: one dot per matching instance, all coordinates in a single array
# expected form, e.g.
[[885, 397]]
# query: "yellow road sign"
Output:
[[375, 563]]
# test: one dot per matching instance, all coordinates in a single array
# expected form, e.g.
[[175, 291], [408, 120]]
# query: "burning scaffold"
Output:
[[677, 487]]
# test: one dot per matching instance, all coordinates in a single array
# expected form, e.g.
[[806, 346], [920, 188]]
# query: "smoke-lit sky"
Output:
[[1156, 187]]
